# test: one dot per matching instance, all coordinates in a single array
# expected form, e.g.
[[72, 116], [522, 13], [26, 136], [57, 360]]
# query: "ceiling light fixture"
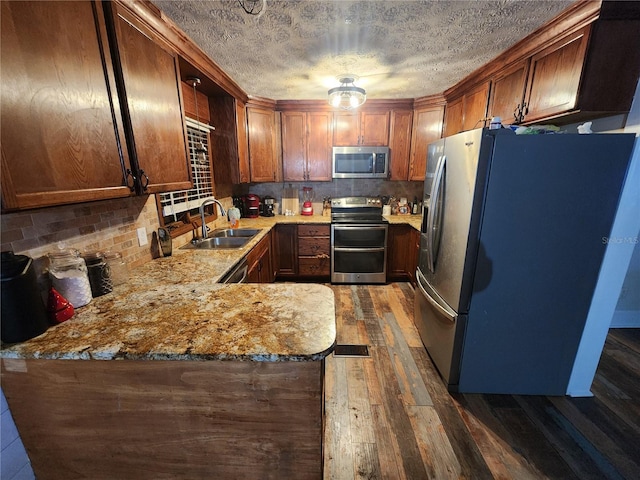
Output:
[[347, 96], [249, 6]]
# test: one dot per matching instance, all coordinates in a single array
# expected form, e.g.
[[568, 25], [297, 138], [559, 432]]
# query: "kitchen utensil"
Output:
[[166, 244], [23, 312], [307, 199]]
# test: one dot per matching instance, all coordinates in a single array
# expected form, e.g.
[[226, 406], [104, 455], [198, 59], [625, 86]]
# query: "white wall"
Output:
[[617, 274]]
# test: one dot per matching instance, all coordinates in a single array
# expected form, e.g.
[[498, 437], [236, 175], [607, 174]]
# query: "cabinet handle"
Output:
[[132, 184], [144, 180]]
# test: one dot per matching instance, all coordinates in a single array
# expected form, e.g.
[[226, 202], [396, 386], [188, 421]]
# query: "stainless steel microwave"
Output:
[[360, 162]]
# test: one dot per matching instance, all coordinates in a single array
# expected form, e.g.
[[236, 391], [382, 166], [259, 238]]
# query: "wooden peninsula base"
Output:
[[143, 419]]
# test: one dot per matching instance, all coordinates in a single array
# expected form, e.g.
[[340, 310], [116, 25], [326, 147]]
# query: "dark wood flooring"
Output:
[[389, 416]]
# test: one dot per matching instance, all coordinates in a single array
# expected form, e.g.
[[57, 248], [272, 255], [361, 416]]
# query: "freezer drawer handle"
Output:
[[451, 316]]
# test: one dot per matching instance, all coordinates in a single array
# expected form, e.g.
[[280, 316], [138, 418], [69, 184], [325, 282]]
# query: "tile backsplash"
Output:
[[102, 225]]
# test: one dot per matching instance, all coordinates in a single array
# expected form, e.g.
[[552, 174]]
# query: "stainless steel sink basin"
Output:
[[224, 238], [214, 243], [230, 232]]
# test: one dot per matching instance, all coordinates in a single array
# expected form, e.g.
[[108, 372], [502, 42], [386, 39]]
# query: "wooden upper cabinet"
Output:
[[294, 146], [262, 144], [59, 140], [152, 107], [468, 111], [454, 117], [319, 130], [427, 128], [507, 93], [589, 72], [475, 107], [360, 128], [554, 76], [400, 144], [306, 146]]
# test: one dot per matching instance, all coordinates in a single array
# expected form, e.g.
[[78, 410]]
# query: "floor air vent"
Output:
[[351, 351]]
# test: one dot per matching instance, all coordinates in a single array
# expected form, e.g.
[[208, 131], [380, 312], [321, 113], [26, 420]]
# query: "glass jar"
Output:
[[99, 274], [68, 273], [118, 267]]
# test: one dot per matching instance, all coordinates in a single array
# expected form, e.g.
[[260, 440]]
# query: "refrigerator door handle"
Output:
[[433, 211], [446, 312]]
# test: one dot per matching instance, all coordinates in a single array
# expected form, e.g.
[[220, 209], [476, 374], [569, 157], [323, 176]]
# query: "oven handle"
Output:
[[361, 249], [359, 227]]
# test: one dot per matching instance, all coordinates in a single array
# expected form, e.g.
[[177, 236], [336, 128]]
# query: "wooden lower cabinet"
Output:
[[302, 252], [314, 251], [168, 419], [260, 264], [403, 247]]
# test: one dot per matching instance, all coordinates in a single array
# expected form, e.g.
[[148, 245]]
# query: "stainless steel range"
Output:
[[358, 240]]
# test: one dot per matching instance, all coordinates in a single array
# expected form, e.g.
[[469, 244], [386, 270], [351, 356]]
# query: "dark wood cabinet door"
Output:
[[475, 107], [400, 144], [285, 250], [374, 128], [554, 76], [346, 129], [244, 175], [61, 130], [427, 127], [294, 146], [262, 139], [399, 241], [152, 103], [259, 262], [319, 146], [507, 93]]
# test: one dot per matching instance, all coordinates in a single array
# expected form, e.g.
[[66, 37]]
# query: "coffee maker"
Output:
[[251, 205], [268, 205]]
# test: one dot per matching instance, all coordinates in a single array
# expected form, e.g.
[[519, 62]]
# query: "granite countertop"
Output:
[[173, 308]]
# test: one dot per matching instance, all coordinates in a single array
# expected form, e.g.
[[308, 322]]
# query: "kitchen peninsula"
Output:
[[175, 376]]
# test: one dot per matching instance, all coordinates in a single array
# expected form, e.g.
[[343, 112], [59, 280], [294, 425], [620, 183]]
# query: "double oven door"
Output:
[[359, 252]]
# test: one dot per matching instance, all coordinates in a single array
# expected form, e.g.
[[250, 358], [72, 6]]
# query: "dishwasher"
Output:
[[238, 274]]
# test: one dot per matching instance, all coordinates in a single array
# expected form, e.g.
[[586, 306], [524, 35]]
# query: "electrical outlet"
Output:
[[142, 236]]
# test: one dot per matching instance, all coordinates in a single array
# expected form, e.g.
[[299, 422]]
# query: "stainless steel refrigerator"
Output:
[[513, 234]]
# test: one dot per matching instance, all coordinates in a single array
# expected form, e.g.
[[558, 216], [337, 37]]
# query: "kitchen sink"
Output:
[[224, 238], [231, 232]]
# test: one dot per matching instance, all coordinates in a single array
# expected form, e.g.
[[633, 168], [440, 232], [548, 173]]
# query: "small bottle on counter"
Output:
[[68, 272]]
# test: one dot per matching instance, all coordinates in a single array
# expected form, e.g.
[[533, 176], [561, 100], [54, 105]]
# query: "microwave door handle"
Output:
[[433, 207]]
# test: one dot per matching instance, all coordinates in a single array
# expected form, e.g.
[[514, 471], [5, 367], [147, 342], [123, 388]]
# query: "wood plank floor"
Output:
[[389, 416]]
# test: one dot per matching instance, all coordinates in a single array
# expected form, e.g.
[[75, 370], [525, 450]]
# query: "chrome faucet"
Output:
[[209, 201]]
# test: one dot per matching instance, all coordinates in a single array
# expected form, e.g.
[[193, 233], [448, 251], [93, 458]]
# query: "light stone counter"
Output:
[[173, 308]]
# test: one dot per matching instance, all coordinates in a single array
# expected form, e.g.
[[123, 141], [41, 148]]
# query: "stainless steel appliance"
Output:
[[251, 206], [360, 162], [510, 251], [358, 240], [238, 274], [268, 204]]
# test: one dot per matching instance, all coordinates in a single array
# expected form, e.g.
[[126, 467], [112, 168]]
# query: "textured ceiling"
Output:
[[294, 50]]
